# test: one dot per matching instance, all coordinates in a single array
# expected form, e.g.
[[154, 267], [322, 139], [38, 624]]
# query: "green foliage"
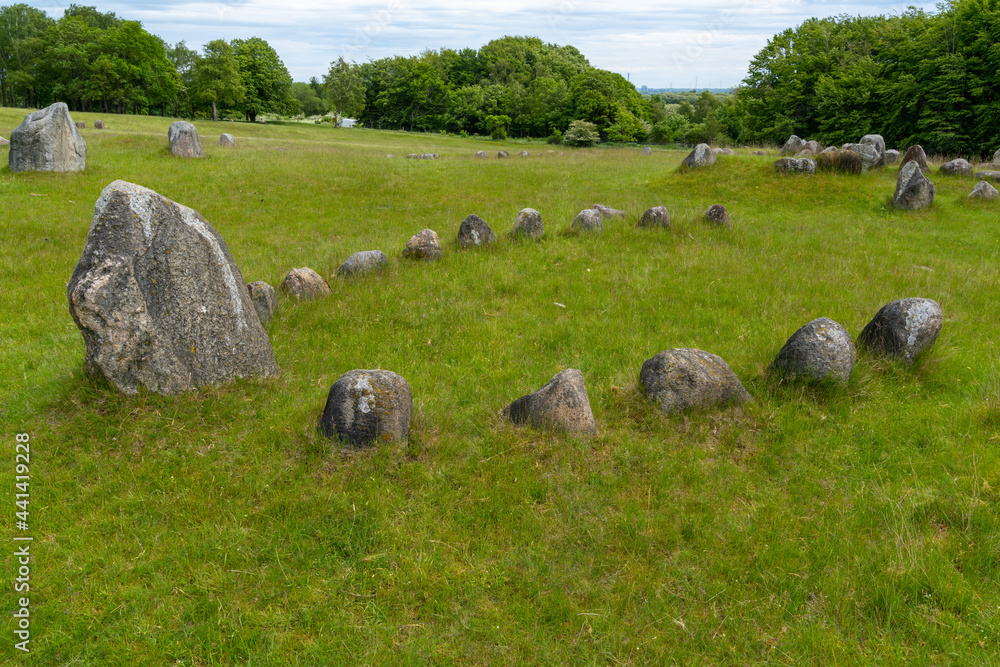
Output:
[[673, 128], [345, 89], [581, 133], [265, 80], [310, 103], [555, 138], [497, 126], [217, 77]]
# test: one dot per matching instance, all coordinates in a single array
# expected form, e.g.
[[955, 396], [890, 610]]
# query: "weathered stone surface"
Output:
[[985, 192], [891, 156], [304, 283], [474, 232], [608, 212], [480, 154], [996, 157], [764, 153], [4, 142], [428, 156], [804, 153], [657, 216], [916, 154], [878, 142], [728, 151], [98, 124], [588, 220], [870, 156], [903, 329], [682, 379], [412, 156], [528, 223], [821, 350], [844, 161], [717, 215], [988, 176], [523, 154], [80, 125], [366, 408], [423, 245], [502, 154], [957, 167], [184, 141], [814, 147], [717, 151], [701, 156], [363, 262], [264, 300], [795, 165], [793, 145], [913, 189], [227, 140], [560, 404], [159, 300], [646, 150], [47, 140]]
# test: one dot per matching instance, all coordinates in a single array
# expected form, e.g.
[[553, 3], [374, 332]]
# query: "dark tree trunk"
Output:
[[215, 113]]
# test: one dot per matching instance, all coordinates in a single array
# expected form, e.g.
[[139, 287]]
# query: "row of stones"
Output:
[[369, 407]]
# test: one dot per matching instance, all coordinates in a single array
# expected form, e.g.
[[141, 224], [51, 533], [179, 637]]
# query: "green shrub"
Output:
[[581, 133], [555, 138]]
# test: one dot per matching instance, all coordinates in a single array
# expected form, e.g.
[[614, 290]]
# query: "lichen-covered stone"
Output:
[[264, 300], [988, 175], [227, 140], [502, 154], [984, 192], [47, 140], [367, 408], [686, 378], [423, 245], [481, 154], [903, 329], [819, 351], [80, 125], [560, 404], [304, 283], [793, 145], [608, 212], [528, 223], [159, 300], [474, 232], [876, 141], [913, 189], [362, 263], [959, 167], [98, 124], [588, 220], [700, 156], [717, 215], [795, 165], [656, 216], [891, 156], [184, 140]]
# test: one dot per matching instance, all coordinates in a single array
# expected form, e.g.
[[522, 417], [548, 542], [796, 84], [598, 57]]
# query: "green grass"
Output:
[[829, 526]]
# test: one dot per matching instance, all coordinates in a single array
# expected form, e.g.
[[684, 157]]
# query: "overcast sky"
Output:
[[660, 44]]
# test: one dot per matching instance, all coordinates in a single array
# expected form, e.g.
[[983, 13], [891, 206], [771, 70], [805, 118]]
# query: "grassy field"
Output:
[[824, 526]]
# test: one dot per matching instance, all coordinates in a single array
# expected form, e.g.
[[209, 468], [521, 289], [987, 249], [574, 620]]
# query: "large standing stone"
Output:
[[870, 156], [588, 220], [821, 350], [363, 262], [160, 301], [368, 408], [913, 189], [227, 140], [687, 378], [528, 223], [474, 232], [796, 165], [957, 167], [701, 156], [878, 142], [916, 154], [985, 192], [264, 300], [47, 140], [891, 156], [903, 329], [304, 283], [657, 216], [608, 212], [423, 245], [793, 145], [184, 141], [717, 215], [561, 404]]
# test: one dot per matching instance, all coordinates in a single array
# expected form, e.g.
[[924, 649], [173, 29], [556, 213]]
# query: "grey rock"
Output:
[[412, 156], [561, 404], [528, 223], [159, 300], [764, 153], [47, 140], [913, 189], [480, 154], [428, 156], [985, 192], [657, 216], [608, 212], [304, 283], [682, 379], [957, 167], [878, 142], [423, 245], [227, 140], [646, 150], [184, 141], [728, 151], [805, 153], [821, 350], [996, 157], [796, 165], [80, 125], [793, 145], [903, 329], [717, 215], [4, 142], [717, 151], [363, 262], [829, 149], [474, 232], [588, 220], [701, 156], [523, 154], [870, 156], [98, 124], [503, 154], [264, 301], [814, 147], [988, 176], [891, 156], [366, 408], [916, 154]]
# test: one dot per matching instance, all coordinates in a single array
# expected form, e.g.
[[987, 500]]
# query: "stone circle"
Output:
[[793, 145], [957, 167], [984, 192], [717, 215], [916, 154], [793, 165], [474, 232], [184, 141], [701, 156], [47, 140], [227, 140], [913, 189]]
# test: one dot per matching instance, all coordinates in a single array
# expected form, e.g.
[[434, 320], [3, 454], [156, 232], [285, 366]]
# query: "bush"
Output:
[[669, 130], [555, 138], [581, 133]]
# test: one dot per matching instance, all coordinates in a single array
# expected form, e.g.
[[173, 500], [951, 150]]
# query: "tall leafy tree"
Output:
[[22, 31], [217, 77], [265, 80], [345, 89]]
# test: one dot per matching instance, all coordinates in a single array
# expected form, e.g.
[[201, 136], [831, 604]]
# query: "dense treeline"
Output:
[[916, 78]]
